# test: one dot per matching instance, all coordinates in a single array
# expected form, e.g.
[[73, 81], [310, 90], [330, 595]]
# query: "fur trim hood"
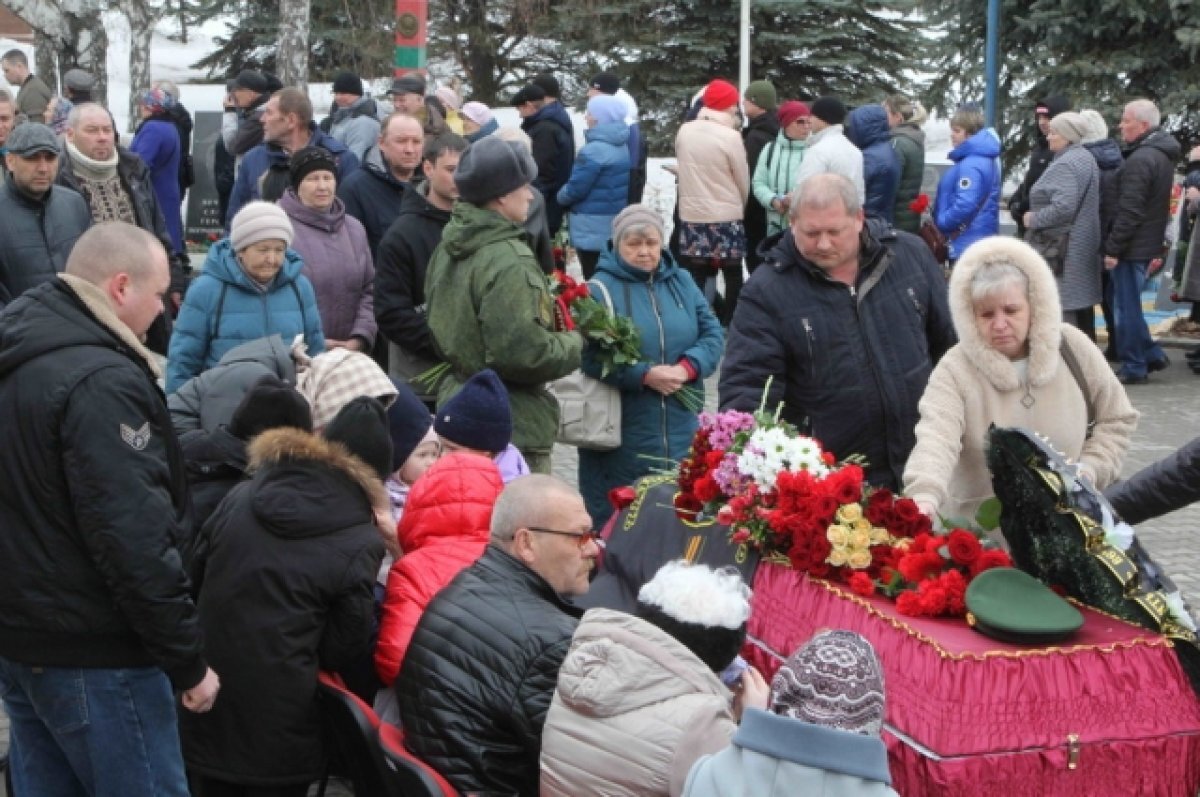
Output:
[[285, 444], [1045, 312]]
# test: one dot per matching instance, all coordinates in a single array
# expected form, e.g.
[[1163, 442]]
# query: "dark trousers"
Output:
[[705, 275], [1083, 319], [588, 262], [207, 787]]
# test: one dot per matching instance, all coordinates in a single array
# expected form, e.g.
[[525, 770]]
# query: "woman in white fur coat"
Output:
[[1009, 369]]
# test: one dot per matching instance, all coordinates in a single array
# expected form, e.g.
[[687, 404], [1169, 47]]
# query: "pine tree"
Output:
[[1100, 54]]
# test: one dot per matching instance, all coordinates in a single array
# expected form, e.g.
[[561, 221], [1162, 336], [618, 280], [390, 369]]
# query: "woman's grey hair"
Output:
[[637, 229], [822, 191], [969, 119], [996, 276], [168, 87]]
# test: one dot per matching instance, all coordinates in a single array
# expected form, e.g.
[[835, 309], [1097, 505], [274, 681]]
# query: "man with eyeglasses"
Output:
[[481, 668]]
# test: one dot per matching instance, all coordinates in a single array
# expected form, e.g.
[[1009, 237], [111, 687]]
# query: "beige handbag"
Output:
[[589, 411]]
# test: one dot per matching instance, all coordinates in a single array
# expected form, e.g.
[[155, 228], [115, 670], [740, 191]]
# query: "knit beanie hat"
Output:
[[336, 377], [477, 416], [704, 609], [1097, 127], [251, 80], [477, 112], [449, 97], [606, 83], [348, 83], [792, 110], [1070, 125], [720, 95], [829, 110], [491, 168], [605, 108], [156, 100], [309, 160], [268, 404], [408, 423], [834, 680], [361, 426], [259, 221], [635, 216], [762, 94]]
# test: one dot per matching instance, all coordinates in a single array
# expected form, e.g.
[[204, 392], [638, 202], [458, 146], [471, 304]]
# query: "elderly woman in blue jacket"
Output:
[[967, 207], [682, 343], [599, 184], [867, 128], [251, 287]]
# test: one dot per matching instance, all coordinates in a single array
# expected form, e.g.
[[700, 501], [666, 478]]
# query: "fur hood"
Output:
[[286, 444], [1045, 312]]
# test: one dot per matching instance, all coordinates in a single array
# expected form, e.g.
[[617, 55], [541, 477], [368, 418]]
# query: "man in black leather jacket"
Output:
[[480, 671], [849, 318]]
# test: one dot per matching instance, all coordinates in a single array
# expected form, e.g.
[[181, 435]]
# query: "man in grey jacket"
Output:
[[39, 221]]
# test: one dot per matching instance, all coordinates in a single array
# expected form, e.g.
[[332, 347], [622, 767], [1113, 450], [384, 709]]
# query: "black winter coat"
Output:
[[1110, 160], [94, 523], [1144, 204], [1169, 484], [135, 177], [374, 196], [216, 463], [479, 674], [400, 274], [553, 137], [850, 364], [286, 571], [760, 132], [36, 236]]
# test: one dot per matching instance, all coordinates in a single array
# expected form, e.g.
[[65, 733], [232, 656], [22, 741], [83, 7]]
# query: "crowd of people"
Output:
[[345, 463]]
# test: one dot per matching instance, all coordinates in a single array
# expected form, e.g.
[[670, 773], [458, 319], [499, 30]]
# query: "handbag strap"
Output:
[[1077, 372], [979, 209], [607, 296]]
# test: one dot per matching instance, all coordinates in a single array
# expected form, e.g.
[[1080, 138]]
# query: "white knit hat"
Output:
[[259, 221]]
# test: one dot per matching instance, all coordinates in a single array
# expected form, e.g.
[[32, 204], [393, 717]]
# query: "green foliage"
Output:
[[353, 36], [1100, 54], [616, 338]]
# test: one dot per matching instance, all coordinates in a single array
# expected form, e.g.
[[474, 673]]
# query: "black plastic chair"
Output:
[[351, 733], [411, 776]]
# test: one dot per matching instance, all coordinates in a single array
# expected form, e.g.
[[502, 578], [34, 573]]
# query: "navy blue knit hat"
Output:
[[408, 422], [478, 416]]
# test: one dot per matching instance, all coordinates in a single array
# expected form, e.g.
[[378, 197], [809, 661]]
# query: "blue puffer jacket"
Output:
[[225, 308], [867, 128], [265, 157], [968, 196], [599, 186], [676, 322]]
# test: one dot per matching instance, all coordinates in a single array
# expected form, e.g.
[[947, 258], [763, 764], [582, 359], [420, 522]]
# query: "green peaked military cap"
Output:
[[1010, 605]]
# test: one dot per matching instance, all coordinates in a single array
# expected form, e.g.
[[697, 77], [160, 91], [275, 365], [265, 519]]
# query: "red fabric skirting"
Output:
[[978, 711]]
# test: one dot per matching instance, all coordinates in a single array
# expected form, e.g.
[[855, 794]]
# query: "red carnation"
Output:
[[908, 603], [741, 535], [955, 585], [862, 584], [964, 546], [712, 459], [706, 488]]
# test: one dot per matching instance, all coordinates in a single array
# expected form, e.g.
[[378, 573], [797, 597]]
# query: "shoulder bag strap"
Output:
[[607, 297], [216, 327], [1077, 372]]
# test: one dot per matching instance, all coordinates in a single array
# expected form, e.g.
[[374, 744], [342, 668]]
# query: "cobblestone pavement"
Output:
[[1170, 407]]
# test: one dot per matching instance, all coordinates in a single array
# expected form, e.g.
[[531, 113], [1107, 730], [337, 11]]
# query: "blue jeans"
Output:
[[1135, 348], [99, 733]]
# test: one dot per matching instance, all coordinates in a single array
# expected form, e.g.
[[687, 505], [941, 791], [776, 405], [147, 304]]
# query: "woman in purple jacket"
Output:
[[157, 144], [337, 259]]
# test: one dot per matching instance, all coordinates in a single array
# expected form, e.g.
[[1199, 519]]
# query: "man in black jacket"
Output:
[[1136, 241], [374, 193], [762, 126], [849, 319], [96, 623], [39, 221], [553, 137], [480, 670], [403, 256]]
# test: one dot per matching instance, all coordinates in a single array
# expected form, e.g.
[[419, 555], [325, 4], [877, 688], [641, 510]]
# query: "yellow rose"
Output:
[[859, 539], [879, 536], [859, 559], [862, 523], [837, 557], [837, 536], [849, 513]]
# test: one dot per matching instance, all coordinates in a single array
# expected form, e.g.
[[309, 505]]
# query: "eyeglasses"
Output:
[[582, 538]]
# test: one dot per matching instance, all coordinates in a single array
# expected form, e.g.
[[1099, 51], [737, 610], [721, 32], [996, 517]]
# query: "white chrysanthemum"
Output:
[[1179, 611], [1119, 535], [769, 452]]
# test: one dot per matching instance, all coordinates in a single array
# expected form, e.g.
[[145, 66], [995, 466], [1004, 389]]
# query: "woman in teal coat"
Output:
[[682, 343], [251, 287]]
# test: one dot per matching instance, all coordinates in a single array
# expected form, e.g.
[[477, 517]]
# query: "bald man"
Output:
[[97, 626]]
